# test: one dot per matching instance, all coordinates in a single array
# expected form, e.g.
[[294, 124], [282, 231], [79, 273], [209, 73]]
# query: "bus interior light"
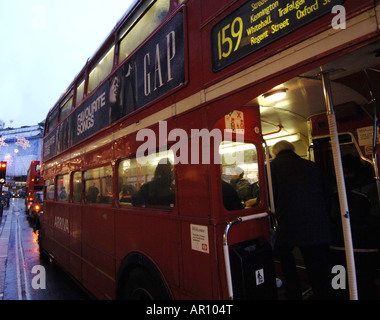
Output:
[[290, 138], [234, 147], [275, 95]]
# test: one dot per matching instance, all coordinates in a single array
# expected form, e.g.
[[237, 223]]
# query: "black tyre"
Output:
[[140, 284]]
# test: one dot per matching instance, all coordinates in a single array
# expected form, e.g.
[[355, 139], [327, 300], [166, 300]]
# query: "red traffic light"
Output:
[[3, 169]]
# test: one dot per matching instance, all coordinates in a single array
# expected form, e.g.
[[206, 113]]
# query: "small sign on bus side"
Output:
[[199, 238]]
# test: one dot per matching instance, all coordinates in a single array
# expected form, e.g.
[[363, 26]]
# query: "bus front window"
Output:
[[240, 183]]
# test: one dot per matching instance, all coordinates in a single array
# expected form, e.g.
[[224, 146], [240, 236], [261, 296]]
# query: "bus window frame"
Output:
[[65, 184], [54, 115], [68, 98], [110, 48], [47, 185], [122, 32], [84, 180], [72, 189], [259, 174], [166, 209], [81, 80]]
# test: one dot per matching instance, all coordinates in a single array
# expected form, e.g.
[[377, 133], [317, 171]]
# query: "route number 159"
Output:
[[225, 43]]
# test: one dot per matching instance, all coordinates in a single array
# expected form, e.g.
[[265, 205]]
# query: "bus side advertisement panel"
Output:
[[156, 69]]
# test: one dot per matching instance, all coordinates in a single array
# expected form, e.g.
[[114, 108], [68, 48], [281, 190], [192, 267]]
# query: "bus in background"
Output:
[[140, 150], [34, 183]]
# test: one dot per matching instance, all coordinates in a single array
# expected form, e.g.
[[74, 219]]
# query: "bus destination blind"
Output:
[[259, 23]]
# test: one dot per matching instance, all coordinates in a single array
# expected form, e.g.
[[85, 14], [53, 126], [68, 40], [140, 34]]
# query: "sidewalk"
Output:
[[5, 231]]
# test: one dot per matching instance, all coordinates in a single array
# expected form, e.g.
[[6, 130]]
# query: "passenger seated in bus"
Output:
[[231, 199], [92, 194], [62, 196], [160, 191], [126, 194], [248, 193]]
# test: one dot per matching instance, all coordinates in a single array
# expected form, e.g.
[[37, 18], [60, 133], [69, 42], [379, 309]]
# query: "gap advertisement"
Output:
[[156, 69]]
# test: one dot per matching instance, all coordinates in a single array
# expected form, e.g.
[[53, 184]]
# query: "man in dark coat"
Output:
[[300, 195]]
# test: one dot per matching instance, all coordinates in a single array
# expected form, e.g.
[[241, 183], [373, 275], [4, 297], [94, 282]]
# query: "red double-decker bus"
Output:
[[34, 183], [139, 151]]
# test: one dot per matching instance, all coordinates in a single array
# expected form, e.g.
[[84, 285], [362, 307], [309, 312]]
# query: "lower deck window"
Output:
[[49, 189], [77, 187], [98, 185], [63, 188], [239, 175], [149, 183]]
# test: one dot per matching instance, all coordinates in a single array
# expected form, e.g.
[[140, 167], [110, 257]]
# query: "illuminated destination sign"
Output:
[[259, 23]]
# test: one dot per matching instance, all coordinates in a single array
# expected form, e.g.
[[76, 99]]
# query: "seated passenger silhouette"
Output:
[[160, 191]]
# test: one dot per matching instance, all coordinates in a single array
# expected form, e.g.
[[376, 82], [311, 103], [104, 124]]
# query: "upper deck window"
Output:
[[140, 25], [66, 106], [80, 93], [101, 69], [53, 120]]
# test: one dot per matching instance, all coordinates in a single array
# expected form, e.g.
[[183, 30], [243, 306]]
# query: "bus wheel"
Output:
[[140, 284]]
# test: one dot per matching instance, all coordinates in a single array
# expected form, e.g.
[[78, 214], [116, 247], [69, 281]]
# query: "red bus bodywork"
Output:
[[34, 182], [105, 245]]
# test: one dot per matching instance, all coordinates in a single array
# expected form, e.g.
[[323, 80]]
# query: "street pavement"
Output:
[[25, 274]]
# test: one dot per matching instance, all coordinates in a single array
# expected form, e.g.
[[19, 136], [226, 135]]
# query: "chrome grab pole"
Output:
[[345, 215]]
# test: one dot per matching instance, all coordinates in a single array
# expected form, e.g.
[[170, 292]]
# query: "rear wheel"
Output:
[[140, 284]]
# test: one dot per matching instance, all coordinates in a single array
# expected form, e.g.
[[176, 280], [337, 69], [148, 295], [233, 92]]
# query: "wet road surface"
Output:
[[25, 274]]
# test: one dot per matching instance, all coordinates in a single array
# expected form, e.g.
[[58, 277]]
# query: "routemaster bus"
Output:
[[182, 96], [34, 183]]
